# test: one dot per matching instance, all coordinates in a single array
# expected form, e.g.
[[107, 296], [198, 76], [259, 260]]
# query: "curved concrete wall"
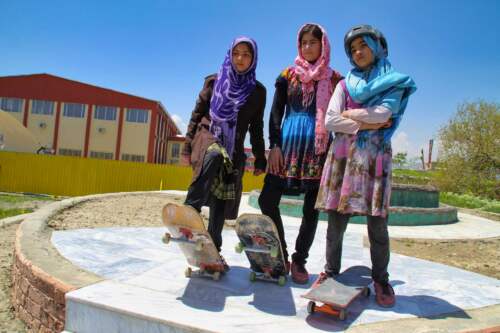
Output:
[[402, 216]]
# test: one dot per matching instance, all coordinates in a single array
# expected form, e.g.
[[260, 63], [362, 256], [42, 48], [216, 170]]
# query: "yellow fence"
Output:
[[74, 176]]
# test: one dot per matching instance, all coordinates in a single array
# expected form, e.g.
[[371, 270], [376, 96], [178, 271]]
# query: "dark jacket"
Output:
[[250, 119]]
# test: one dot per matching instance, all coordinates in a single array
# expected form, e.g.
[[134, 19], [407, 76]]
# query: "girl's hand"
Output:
[[366, 126], [185, 159], [387, 124], [320, 144], [258, 172], [275, 161], [346, 114]]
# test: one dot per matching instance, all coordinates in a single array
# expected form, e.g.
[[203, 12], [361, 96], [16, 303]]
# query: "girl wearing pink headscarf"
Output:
[[299, 140]]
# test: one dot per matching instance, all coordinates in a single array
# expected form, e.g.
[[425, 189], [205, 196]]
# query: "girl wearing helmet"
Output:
[[299, 140], [365, 110]]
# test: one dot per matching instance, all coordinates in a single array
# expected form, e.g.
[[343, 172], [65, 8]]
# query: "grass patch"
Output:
[[13, 198], [414, 177], [13, 212], [413, 173], [470, 201]]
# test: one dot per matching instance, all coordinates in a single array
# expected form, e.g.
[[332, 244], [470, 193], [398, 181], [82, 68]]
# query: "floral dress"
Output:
[[357, 174]]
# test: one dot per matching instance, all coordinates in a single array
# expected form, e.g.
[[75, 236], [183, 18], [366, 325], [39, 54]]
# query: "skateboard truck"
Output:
[[198, 244], [212, 271], [272, 250], [266, 276]]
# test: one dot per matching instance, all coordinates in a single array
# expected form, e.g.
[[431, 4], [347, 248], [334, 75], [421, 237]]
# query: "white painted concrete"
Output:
[[147, 290]]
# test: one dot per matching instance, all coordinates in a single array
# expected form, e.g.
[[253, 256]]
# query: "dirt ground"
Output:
[[127, 211], [479, 256], [8, 322]]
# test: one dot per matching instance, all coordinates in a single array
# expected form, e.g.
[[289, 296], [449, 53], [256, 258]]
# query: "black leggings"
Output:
[[269, 200], [199, 195], [379, 244]]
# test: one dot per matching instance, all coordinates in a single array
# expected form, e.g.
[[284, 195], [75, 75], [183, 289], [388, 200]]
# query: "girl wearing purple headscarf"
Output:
[[230, 104]]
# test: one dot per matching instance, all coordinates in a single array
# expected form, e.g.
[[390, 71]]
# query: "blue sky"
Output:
[[162, 50]]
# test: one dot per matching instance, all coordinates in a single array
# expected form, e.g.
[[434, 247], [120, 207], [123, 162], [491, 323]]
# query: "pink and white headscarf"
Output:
[[320, 71]]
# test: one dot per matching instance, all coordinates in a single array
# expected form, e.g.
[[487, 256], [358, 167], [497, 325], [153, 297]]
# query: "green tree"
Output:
[[469, 154], [400, 159]]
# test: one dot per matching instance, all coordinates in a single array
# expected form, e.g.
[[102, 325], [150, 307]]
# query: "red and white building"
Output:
[[80, 119]]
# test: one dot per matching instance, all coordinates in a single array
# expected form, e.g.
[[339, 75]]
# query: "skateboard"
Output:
[[339, 292], [259, 239], [186, 227]]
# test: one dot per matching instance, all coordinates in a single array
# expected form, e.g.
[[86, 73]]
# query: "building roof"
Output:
[[47, 86]]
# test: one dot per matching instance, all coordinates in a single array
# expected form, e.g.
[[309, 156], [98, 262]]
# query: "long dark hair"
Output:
[[313, 29]]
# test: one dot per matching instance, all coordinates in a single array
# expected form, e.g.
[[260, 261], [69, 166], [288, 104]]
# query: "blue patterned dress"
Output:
[[292, 127]]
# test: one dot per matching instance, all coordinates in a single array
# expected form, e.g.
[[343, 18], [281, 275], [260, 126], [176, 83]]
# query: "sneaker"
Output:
[[299, 273], [321, 278], [384, 294]]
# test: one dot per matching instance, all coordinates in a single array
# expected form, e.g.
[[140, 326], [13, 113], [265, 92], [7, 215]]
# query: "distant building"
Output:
[[174, 150], [79, 119]]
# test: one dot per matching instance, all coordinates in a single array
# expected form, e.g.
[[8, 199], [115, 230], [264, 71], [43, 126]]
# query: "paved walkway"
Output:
[[468, 226], [146, 290]]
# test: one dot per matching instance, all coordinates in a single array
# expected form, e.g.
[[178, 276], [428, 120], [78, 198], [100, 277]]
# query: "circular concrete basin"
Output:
[[411, 205]]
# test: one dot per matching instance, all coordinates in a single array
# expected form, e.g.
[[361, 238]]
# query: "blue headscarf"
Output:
[[231, 91], [380, 85]]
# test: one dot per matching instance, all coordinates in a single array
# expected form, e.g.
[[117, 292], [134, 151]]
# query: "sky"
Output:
[[162, 50]]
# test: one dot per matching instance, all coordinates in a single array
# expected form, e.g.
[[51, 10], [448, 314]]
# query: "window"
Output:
[[137, 115], [70, 152], [11, 104], [74, 110], [101, 155], [175, 150], [133, 158], [105, 112], [42, 107]]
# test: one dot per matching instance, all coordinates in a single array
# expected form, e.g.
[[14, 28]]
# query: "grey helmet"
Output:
[[361, 30]]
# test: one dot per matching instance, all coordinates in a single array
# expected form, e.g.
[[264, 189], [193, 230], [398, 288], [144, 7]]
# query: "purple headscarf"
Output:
[[231, 91]]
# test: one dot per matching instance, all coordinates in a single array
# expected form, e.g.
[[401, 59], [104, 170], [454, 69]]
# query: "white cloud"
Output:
[[400, 143], [180, 123]]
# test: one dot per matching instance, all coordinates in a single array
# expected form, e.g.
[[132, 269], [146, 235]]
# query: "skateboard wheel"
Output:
[[166, 238], [188, 272], [366, 292], [281, 280], [216, 276], [253, 276], [342, 314], [311, 307], [198, 245], [239, 247], [273, 252]]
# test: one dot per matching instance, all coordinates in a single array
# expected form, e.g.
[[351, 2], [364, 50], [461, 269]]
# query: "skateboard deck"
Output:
[[259, 239], [338, 293], [186, 228]]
